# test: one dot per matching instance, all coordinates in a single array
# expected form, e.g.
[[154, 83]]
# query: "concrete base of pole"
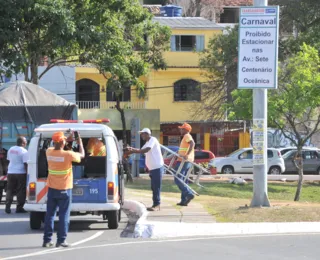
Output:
[[260, 200]]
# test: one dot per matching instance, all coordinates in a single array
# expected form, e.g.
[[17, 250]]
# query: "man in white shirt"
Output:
[[154, 162], [17, 175]]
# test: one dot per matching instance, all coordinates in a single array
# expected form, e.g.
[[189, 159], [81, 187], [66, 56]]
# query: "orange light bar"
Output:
[[104, 120]]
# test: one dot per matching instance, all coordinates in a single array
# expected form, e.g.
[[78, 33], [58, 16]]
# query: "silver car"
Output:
[[241, 161], [311, 161]]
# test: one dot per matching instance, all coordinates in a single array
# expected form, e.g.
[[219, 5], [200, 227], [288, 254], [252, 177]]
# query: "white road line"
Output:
[[151, 242], [88, 239], [48, 251]]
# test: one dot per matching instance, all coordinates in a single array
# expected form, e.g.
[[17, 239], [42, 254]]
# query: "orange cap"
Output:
[[58, 137], [186, 126]]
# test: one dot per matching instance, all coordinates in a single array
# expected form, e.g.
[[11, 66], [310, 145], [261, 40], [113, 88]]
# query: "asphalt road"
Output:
[[92, 239]]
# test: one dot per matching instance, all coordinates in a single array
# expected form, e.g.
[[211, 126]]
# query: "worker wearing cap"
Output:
[[186, 152], [60, 184], [154, 162], [95, 147]]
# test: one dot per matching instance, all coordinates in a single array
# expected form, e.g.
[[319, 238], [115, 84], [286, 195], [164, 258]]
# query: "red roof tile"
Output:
[[238, 2]]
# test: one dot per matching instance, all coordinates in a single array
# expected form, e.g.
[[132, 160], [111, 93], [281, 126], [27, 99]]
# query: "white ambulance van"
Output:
[[98, 182]]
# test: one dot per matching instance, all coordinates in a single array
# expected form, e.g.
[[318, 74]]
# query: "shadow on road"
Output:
[[21, 226]]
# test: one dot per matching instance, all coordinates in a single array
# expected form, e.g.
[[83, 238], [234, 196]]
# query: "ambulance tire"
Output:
[[113, 219], [35, 220]]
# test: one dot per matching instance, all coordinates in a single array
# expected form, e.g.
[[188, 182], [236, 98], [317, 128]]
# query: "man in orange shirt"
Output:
[[60, 184], [186, 151], [96, 147]]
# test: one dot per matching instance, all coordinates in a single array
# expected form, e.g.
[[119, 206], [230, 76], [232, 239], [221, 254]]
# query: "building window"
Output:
[[125, 96], [230, 15], [87, 94], [187, 90], [187, 43]]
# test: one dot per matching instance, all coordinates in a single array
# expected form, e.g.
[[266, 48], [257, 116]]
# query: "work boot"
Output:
[[154, 208], [7, 210], [191, 197], [48, 244], [21, 210], [64, 244]]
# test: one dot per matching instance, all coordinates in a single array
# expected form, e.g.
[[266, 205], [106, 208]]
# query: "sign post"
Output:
[[135, 143], [257, 70]]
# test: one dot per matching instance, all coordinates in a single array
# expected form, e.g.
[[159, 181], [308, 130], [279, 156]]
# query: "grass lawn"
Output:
[[229, 202]]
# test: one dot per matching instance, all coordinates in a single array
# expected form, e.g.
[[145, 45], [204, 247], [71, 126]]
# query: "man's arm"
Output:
[[144, 150], [25, 158], [81, 150], [191, 146]]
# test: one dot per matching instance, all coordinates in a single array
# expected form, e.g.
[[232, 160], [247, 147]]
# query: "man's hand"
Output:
[[185, 157]]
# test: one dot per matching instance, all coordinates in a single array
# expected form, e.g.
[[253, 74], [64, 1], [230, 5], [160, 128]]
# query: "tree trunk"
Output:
[[299, 166], [26, 73], [198, 8], [125, 141], [34, 70]]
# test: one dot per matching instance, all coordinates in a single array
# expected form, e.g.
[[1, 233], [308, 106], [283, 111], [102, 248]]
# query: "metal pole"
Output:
[[260, 106]]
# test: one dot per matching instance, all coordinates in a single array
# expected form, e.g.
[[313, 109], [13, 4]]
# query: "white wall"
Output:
[[59, 80]]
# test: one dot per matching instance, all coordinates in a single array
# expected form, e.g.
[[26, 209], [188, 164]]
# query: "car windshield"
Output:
[[288, 154], [233, 153]]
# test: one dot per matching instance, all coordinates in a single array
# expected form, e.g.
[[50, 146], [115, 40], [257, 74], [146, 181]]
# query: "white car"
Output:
[[241, 161]]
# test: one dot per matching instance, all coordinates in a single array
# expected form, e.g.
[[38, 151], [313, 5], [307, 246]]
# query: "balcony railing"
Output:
[[110, 105]]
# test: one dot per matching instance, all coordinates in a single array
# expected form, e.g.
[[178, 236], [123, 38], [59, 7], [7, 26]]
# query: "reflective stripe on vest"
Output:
[[60, 172]]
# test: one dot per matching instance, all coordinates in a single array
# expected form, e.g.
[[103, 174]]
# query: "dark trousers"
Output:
[[156, 180], [61, 199], [185, 190], [16, 184]]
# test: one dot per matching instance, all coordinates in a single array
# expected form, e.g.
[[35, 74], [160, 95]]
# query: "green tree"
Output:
[[219, 63], [136, 57], [295, 105]]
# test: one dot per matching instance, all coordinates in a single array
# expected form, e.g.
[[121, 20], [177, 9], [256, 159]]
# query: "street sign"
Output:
[[258, 47]]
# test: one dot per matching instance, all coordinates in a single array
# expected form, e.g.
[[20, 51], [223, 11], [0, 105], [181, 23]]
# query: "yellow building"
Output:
[[171, 92]]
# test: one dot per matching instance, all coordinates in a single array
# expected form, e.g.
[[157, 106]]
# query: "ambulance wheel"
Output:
[[35, 220], [113, 219]]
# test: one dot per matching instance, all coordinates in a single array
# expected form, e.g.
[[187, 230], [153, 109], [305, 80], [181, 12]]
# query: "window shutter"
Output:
[[200, 43], [173, 43], [127, 94]]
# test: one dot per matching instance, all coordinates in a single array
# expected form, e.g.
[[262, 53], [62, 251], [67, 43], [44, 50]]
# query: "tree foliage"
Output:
[[295, 106], [219, 63], [108, 34]]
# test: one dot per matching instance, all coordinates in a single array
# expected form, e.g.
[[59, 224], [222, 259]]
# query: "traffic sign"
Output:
[[258, 47]]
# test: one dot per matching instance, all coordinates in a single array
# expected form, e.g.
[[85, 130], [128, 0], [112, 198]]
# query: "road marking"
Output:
[[150, 242], [88, 239], [43, 252]]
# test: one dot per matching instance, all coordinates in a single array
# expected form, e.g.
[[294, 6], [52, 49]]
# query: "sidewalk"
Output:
[[169, 212], [174, 221]]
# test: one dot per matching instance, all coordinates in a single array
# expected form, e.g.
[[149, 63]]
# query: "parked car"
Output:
[[142, 162], [284, 150], [241, 161], [202, 157], [311, 161]]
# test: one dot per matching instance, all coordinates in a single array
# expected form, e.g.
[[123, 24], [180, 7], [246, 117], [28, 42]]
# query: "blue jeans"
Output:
[[156, 180], [61, 199], [185, 190]]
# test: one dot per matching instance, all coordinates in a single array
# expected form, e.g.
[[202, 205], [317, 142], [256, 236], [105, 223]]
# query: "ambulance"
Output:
[[98, 181]]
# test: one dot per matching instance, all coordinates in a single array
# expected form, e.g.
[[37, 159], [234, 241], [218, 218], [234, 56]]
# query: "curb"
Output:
[[143, 228], [171, 229]]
